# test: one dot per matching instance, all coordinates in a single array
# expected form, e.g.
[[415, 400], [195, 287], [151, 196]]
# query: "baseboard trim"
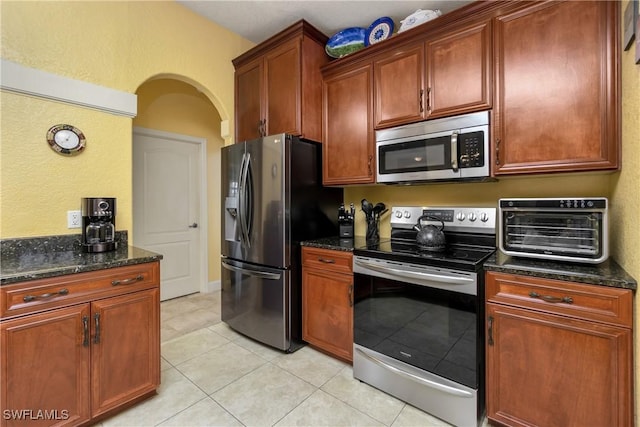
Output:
[[23, 80], [216, 285]]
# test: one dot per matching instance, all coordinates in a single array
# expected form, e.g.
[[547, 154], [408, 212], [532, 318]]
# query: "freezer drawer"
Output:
[[256, 302]]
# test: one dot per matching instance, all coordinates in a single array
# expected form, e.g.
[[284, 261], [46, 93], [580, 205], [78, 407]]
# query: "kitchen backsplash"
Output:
[[484, 194]]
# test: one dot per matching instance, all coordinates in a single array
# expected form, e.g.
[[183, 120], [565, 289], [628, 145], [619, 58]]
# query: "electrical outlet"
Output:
[[74, 219]]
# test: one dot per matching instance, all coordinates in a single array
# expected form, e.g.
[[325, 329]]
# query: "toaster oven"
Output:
[[573, 230]]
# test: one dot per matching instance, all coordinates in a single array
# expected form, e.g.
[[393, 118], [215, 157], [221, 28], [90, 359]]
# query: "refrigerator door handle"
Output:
[[242, 206], [249, 194], [251, 271]]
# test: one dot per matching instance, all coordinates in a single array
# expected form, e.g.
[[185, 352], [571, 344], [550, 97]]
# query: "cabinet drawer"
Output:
[[589, 302], [43, 294], [337, 261]]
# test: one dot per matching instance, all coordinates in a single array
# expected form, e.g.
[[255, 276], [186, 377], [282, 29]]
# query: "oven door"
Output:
[[423, 316]]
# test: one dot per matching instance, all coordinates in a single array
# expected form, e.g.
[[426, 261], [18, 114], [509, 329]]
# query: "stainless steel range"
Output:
[[418, 312]]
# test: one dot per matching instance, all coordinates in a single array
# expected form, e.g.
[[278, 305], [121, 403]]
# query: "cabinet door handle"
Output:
[[327, 261], [29, 298], [421, 96], [550, 298], [369, 164], [138, 278], [262, 127], [350, 295], [498, 152], [429, 99], [490, 324], [85, 331], [96, 319]]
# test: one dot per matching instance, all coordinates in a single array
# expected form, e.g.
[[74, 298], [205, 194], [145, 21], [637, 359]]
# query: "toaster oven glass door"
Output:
[[575, 234]]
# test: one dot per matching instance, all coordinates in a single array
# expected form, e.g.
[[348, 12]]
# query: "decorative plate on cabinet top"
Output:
[[345, 42], [418, 17], [380, 29]]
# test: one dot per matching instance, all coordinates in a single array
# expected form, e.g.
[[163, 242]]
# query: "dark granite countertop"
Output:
[[336, 243], [51, 256], [608, 273]]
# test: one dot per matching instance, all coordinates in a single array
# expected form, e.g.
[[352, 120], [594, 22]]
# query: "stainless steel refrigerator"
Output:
[[272, 199]]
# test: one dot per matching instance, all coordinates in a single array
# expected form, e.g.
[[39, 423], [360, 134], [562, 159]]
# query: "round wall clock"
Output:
[[66, 139]]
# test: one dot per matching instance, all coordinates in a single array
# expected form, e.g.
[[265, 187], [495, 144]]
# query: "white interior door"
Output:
[[168, 210]]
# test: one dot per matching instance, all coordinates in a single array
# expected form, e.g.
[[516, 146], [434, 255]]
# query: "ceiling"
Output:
[[259, 20]]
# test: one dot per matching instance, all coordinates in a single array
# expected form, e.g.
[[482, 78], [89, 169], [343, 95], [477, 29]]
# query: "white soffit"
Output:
[[30, 81]]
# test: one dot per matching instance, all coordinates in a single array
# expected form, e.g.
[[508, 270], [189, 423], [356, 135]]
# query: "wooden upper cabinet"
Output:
[[248, 89], [448, 74], [348, 142], [459, 71], [282, 89], [278, 85], [399, 86], [556, 81]]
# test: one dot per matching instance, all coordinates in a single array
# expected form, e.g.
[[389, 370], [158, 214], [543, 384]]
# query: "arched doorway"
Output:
[[181, 119]]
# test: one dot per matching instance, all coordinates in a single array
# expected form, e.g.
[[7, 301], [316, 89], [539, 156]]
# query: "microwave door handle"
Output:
[[454, 151]]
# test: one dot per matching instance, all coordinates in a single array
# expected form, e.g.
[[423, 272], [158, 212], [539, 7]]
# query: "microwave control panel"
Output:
[[471, 150]]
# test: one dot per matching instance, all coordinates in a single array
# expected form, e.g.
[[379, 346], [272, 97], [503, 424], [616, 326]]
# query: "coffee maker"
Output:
[[98, 224]]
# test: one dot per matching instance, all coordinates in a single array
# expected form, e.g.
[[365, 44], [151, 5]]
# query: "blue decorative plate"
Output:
[[380, 29], [345, 42]]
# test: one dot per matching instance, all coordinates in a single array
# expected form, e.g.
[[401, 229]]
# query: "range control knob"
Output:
[[460, 216], [484, 217], [472, 217], [398, 214], [407, 214]]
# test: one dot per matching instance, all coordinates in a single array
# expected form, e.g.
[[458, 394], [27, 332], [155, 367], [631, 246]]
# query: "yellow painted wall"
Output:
[[119, 45], [177, 107], [625, 245]]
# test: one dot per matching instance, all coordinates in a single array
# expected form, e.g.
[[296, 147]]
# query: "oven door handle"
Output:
[[416, 274], [429, 383]]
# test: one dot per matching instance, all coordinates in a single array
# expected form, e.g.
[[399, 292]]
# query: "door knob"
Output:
[[194, 225]]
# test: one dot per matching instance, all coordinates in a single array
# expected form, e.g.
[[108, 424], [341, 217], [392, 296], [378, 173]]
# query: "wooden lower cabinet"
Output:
[[549, 362], [125, 361], [327, 301], [68, 366], [46, 366]]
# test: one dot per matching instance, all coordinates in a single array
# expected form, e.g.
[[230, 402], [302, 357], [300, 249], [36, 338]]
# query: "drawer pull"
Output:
[[29, 298], [327, 261], [138, 278], [552, 299]]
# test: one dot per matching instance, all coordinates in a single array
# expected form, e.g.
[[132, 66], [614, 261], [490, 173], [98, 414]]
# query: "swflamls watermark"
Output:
[[35, 414]]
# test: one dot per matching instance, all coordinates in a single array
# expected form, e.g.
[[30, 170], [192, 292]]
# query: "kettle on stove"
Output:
[[430, 237]]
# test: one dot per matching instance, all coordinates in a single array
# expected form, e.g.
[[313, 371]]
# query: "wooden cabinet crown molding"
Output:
[[300, 27], [470, 14]]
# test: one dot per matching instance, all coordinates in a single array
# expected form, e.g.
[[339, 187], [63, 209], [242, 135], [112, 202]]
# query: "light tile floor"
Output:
[[213, 376]]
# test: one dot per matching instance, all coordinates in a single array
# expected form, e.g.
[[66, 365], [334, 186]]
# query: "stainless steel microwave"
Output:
[[574, 230], [448, 149]]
